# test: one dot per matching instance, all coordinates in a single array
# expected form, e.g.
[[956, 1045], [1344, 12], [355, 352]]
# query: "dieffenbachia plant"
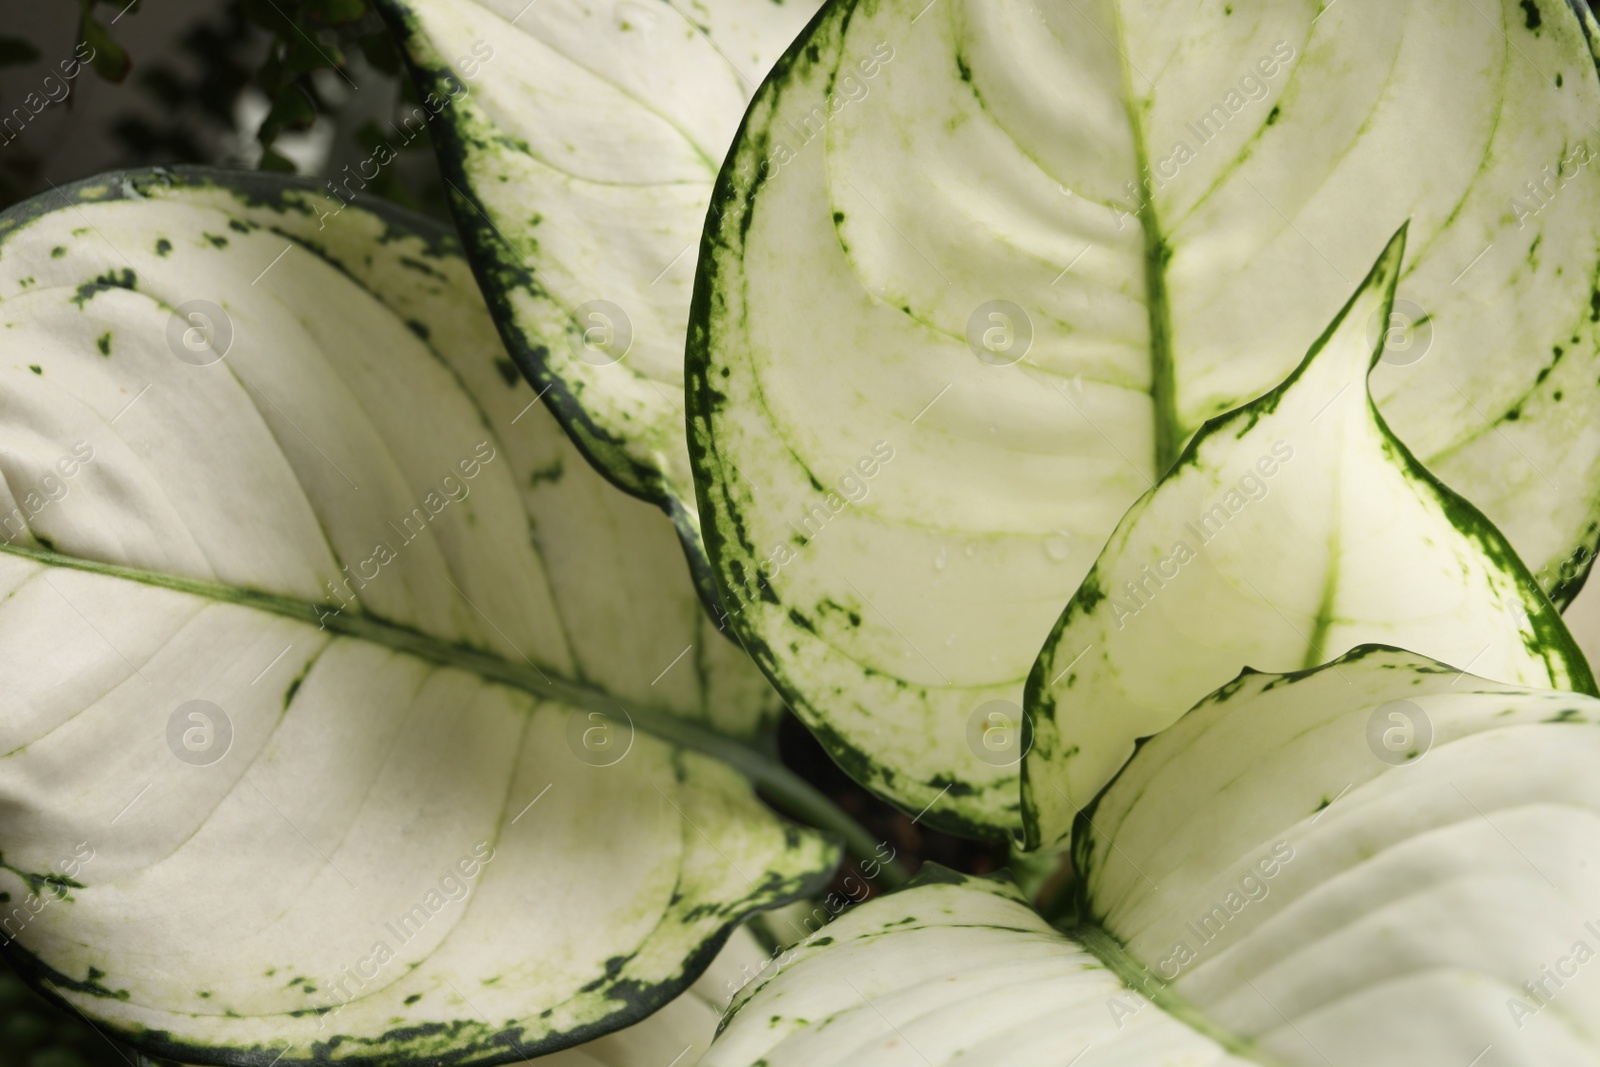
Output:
[[348, 715], [353, 716], [1279, 878], [580, 142], [957, 311]]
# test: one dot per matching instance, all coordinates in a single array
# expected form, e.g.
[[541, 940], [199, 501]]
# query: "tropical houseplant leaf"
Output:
[[581, 142], [1034, 253], [324, 654], [1381, 861], [952, 969], [1290, 531]]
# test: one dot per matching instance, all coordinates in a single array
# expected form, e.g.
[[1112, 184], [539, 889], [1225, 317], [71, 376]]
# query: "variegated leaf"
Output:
[[581, 141], [953, 970], [1381, 861], [324, 653]]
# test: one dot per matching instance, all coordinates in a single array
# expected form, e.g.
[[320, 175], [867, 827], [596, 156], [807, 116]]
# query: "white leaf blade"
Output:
[[956, 970], [582, 153], [1270, 861], [1291, 530], [788, 564]]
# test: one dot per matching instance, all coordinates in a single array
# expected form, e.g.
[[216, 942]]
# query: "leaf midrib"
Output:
[[532, 679], [1105, 947], [782, 786], [1163, 379]]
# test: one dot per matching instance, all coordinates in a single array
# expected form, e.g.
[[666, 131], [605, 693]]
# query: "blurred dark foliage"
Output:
[[35, 1033], [292, 51], [903, 836]]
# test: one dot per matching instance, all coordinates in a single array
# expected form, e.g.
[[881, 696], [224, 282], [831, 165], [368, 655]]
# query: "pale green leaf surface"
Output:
[[1291, 530], [956, 971], [289, 899], [1267, 867], [989, 157], [582, 154]]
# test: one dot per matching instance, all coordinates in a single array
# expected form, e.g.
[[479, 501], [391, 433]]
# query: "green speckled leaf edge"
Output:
[[500, 273], [730, 206]]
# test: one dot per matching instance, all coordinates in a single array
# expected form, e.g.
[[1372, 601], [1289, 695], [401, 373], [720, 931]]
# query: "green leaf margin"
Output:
[[500, 271]]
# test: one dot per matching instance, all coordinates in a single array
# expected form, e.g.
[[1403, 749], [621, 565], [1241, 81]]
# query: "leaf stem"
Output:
[[1163, 379], [784, 788]]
